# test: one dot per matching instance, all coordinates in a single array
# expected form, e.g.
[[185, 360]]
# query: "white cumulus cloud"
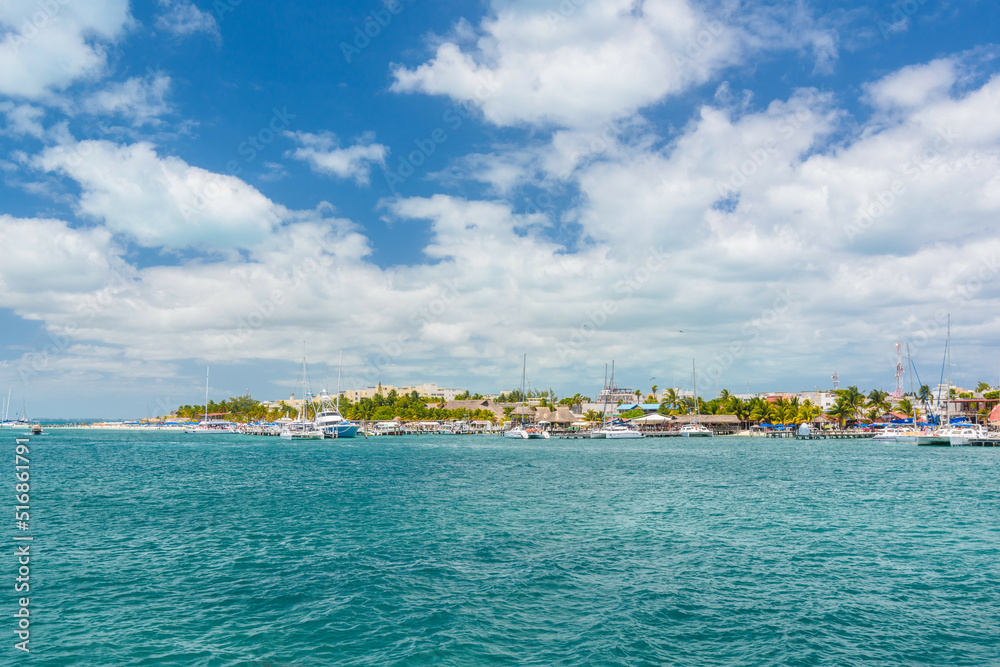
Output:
[[323, 153], [162, 201], [182, 18], [47, 46]]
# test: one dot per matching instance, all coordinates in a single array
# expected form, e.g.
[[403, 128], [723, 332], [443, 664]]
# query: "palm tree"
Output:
[[592, 416], [907, 407], [782, 411], [853, 400], [925, 396], [807, 412], [672, 399], [740, 408], [842, 412], [654, 387], [759, 409], [879, 401]]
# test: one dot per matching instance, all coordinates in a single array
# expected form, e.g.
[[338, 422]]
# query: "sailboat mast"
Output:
[[611, 389], [607, 391], [947, 388], [524, 375], [694, 379], [206, 393], [340, 369], [909, 360], [305, 396]]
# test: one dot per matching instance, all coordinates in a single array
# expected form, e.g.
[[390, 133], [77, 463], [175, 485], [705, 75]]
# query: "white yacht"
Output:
[[522, 431], [954, 435], [896, 434], [206, 426], [211, 427], [620, 432], [301, 429], [948, 434], [330, 421], [611, 429], [696, 430], [526, 432]]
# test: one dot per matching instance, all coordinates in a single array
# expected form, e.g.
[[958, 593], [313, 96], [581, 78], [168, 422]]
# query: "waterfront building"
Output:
[[427, 390], [613, 394]]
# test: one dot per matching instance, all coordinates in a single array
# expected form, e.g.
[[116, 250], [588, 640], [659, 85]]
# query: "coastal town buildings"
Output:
[[428, 390]]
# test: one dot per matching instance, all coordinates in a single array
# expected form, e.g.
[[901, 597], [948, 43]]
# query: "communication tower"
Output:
[[836, 381], [899, 371]]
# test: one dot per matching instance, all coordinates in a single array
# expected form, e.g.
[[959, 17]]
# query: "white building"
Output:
[[613, 395], [824, 399], [429, 389]]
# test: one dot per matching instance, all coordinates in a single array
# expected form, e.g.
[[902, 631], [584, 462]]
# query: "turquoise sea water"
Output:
[[170, 549]]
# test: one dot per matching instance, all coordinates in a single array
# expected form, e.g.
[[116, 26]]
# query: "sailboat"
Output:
[[206, 426], [948, 434], [599, 431], [328, 419], [6, 408], [521, 430], [301, 429], [21, 421], [613, 429], [695, 429]]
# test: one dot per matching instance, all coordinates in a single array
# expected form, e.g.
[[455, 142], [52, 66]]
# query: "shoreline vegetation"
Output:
[[850, 408]]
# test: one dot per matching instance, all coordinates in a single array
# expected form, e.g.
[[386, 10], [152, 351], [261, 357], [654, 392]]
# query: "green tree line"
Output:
[[410, 407]]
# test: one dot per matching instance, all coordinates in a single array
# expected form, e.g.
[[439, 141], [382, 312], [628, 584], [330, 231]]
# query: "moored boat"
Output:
[[302, 429], [522, 430], [621, 432], [207, 426], [330, 421], [526, 432], [696, 430], [895, 434]]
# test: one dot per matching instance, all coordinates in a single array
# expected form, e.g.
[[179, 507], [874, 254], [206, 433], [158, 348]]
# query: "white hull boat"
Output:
[[696, 431]]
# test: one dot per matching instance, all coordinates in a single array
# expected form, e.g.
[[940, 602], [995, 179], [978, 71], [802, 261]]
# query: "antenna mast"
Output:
[[899, 371]]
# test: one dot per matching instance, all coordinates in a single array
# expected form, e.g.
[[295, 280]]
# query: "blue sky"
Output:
[[777, 190]]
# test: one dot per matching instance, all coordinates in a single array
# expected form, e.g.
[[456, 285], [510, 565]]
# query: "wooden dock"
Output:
[[833, 435], [985, 442]]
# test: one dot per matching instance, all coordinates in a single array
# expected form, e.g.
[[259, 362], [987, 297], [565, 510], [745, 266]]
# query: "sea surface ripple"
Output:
[[219, 550]]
